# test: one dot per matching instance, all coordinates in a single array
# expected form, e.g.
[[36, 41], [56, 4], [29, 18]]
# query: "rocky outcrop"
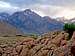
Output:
[[43, 46]]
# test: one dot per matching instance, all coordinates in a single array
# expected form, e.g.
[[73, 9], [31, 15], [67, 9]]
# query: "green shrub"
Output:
[[35, 36], [69, 27]]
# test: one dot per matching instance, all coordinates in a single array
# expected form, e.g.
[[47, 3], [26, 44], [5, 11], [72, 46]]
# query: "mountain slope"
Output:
[[4, 16], [7, 29], [30, 22]]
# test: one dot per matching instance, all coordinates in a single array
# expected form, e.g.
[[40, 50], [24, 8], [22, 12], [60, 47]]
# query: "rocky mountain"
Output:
[[64, 20], [71, 20], [30, 22], [4, 16]]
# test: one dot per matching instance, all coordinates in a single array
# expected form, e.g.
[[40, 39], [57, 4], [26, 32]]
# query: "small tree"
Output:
[[69, 27]]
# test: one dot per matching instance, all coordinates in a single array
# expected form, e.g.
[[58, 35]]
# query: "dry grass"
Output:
[[10, 40]]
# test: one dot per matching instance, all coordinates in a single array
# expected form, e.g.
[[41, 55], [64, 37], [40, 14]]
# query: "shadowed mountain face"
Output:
[[30, 22]]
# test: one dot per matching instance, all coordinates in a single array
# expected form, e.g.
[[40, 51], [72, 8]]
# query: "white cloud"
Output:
[[41, 9], [54, 11], [67, 13], [7, 7]]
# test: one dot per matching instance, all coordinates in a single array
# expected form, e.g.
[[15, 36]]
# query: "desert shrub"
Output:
[[35, 36], [19, 35], [69, 27], [6, 36]]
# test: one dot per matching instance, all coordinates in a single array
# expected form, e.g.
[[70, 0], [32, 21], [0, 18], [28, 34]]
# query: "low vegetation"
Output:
[[70, 28]]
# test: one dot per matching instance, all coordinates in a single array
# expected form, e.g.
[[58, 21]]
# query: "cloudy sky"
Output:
[[52, 8]]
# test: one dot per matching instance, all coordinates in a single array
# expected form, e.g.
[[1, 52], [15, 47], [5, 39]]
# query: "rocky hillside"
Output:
[[49, 44], [7, 29]]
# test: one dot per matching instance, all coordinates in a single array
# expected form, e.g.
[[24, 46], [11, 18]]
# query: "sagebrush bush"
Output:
[[35, 36]]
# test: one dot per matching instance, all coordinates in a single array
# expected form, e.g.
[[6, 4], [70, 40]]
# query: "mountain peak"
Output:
[[27, 10], [46, 17]]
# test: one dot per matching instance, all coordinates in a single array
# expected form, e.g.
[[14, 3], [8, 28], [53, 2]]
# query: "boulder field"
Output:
[[49, 44]]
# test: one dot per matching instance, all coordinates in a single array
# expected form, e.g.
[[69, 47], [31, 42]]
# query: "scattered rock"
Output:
[[49, 44]]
